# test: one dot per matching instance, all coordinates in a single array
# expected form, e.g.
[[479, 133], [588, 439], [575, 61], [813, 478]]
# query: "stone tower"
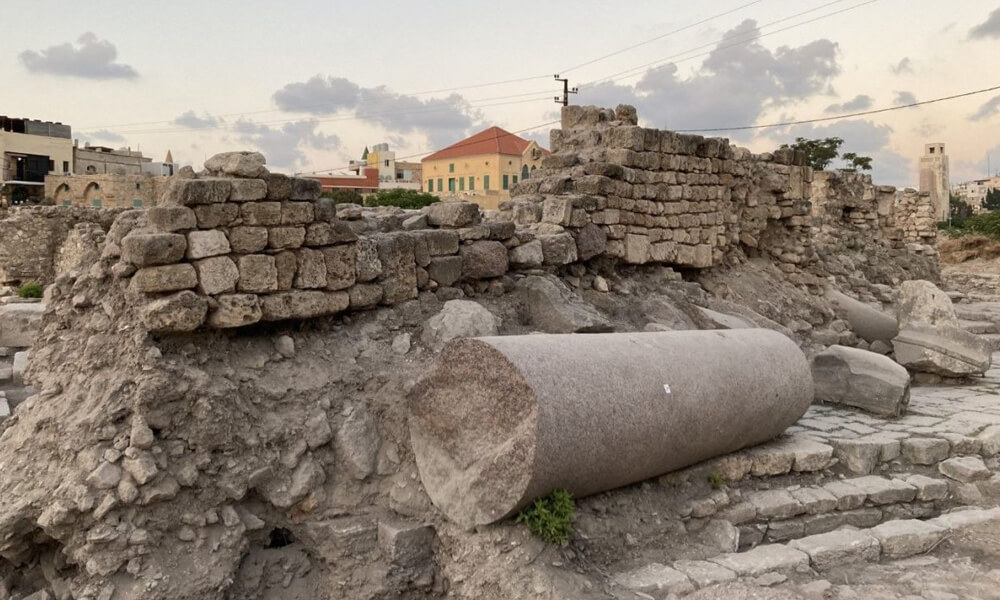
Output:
[[935, 179]]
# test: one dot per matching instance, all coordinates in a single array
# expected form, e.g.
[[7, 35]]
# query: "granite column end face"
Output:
[[500, 421]]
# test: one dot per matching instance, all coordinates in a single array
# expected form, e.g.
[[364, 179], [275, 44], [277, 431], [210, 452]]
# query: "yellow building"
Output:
[[482, 168], [30, 150]]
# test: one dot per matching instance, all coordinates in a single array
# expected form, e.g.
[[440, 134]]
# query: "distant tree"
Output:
[[819, 153], [992, 201], [855, 162], [344, 196], [960, 209], [401, 198], [19, 195]]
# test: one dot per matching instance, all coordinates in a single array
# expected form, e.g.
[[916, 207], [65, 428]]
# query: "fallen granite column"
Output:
[[500, 421]]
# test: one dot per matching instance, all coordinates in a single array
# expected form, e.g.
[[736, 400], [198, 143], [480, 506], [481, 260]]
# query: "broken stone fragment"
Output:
[[181, 312], [166, 278], [861, 379], [235, 310], [237, 164], [141, 436], [151, 249], [452, 214], [459, 319], [105, 477]]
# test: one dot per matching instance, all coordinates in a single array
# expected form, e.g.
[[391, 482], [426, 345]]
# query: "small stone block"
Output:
[[903, 538], [656, 579], [763, 559], [837, 548]]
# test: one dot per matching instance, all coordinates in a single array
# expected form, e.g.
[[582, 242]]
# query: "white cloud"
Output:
[[90, 58], [990, 28], [285, 146], [860, 102]]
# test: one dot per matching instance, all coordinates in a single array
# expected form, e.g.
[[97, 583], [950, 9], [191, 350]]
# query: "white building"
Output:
[[974, 192]]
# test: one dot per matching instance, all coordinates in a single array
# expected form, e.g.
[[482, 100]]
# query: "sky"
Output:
[[311, 83]]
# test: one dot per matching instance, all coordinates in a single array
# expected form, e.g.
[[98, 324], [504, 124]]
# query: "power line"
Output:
[[641, 69], [425, 152], [844, 116], [660, 37]]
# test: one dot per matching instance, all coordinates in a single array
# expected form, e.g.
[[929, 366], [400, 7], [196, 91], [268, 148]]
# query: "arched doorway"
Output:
[[63, 196], [524, 172], [92, 195]]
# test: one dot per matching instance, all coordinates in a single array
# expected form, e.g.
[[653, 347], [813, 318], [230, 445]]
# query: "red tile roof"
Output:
[[491, 141]]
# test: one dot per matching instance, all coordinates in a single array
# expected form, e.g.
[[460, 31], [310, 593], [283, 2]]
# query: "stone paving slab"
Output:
[[763, 559], [839, 547], [906, 538], [655, 578]]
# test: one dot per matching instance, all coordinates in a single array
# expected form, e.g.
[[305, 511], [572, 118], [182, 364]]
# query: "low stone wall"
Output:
[[105, 190], [230, 252]]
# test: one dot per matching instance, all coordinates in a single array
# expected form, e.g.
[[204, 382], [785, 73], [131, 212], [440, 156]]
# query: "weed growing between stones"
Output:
[[716, 480], [30, 290], [550, 518]]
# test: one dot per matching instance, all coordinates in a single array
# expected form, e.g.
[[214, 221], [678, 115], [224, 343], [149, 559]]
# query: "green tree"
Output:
[[855, 162], [960, 209], [344, 196], [992, 201], [401, 198], [819, 153]]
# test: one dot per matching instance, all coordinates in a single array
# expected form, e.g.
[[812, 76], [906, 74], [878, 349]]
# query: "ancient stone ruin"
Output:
[[250, 392]]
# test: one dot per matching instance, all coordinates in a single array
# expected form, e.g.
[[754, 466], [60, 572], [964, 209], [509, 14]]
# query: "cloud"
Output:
[[903, 66], [443, 120], [90, 58], [285, 146], [860, 102], [990, 28], [733, 87], [864, 137], [927, 129], [903, 98], [192, 120], [104, 135], [967, 170], [987, 110]]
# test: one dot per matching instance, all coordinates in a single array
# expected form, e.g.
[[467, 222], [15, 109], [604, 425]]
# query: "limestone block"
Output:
[[858, 455], [19, 367], [302, 305], [415, 222], [655, 578], [167, 278], [365, 295], [247, 240], [341, 262], [903, 538], [181, 312], [287, 265], [557, 210], [452, 214], [217, 275], [445, 270], [815, 500], [921, 302], [965, 469], [848, 497], [369, 265], [838, 548], [551, 307], [189, 192], [880, 490], [248, 190], [327, 233], [296, 213], [942, 349], [203, 244], [258, 274], [703, 573], [558, 249], [591, 241], [261, 213], [866, 322], [285, 237], [484, 259], [151, 249], [279, 187], [441, 242], [990, 438], [925, 451], [636, 249], [406, 545], [960, 519], [169, 219], [20, 324], [311, 269], [399, 268], [459, 319], [526, 406], [763, 559], [212, 216], [526, 255], [775, 504], [862, 379], [235, 310], [306, 189], [237, 164]]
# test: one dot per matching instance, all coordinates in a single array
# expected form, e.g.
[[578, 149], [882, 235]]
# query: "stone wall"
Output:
[[31, 236], [105, 190]]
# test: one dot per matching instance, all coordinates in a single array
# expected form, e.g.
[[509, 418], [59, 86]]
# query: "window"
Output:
[[472, 184], [138, 186], [52, 165], [387, 163], [451, 168], [515, 179], [430, 185], [136, 203], [486, 182], [932, 150], [451, 184], [461, 184], [66, 203], [96, 202], [506, 182], [440, 184], [65, 166]]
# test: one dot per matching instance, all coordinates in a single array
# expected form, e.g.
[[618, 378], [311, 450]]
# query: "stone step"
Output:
[[978, 327], [992, 338], [890, 540]]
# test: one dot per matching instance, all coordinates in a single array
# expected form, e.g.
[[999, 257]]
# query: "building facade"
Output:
[[30, 150], [935, 178], [392, 174], [974, 192], [101, 160], [365, 181], [105, 191], [482, 168]]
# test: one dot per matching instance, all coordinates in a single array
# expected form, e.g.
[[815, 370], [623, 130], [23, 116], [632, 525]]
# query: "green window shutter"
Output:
[[472, 184], [451, 167], [430, 185], [136, 203], [66, 203], [440, 184], [506, 182], [515, 179], [96, 202], [461, 184], [451, 184], [486, 182]]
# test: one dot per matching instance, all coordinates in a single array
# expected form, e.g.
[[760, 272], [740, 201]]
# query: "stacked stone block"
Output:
[[916, 217], [224, 252]]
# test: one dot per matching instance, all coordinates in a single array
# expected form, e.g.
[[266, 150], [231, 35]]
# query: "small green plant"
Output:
[[401, 198], [550, 518], [716, 480], [30, 290], [343, 196]]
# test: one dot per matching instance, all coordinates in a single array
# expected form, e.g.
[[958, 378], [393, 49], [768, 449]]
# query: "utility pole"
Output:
[[564, 100]]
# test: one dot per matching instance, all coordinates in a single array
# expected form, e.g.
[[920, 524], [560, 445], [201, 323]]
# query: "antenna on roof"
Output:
[[564, 100]]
